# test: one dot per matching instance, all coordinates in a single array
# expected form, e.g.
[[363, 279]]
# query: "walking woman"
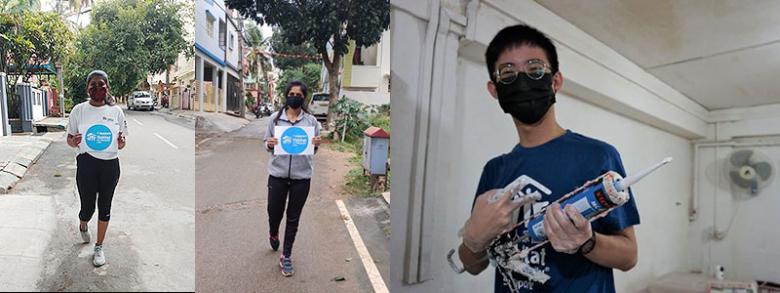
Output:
[[289, 175], [97, 128]]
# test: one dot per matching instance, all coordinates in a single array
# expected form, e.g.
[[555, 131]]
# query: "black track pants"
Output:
[[278, 191]]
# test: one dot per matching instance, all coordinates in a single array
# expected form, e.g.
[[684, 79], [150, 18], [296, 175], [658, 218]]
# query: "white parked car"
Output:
[[140, 100], [319, 105]]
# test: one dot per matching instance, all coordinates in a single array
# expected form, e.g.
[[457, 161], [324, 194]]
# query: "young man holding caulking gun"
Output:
[[524, 78]]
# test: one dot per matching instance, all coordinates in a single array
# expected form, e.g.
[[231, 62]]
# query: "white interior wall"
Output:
[[749, 249], [662, 198]]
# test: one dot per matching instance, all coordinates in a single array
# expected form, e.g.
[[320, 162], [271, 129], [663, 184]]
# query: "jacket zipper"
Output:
[[289, 165]]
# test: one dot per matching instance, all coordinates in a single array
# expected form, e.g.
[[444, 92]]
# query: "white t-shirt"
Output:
[[85, 114]]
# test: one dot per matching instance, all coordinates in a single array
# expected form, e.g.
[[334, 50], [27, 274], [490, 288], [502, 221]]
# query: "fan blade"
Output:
[[737, 179], [740, 158], [754, 187], [763, 169]]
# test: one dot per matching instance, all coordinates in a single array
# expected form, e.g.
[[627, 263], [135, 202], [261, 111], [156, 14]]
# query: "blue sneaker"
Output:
[[287, 268]]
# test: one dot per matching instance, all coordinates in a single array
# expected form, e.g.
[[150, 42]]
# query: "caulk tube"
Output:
[[590, 202], [610, 191]]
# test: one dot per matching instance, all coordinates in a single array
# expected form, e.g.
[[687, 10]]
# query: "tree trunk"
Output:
[[168, 80], [334, 86]]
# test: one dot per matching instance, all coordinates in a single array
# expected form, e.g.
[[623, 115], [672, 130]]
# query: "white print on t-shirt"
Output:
[[538, 257]]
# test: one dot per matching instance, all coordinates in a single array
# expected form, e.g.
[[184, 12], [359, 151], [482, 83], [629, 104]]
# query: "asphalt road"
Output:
[[150, 241], [232, 230]]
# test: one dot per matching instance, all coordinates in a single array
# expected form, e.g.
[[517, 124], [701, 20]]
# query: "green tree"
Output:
[[323, 23], [309, 74], [114, 46], [18, 6], [129, 40], [291, 56], [164, 32], [31, 39], [257, 56]]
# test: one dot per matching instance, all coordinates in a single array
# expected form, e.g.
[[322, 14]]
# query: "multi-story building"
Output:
[[217, 58], [366, 73]]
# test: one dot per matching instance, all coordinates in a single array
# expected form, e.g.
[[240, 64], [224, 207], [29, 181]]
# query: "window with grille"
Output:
[[222, 34]]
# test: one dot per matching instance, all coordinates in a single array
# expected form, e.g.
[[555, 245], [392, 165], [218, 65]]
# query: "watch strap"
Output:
[[588, 245]]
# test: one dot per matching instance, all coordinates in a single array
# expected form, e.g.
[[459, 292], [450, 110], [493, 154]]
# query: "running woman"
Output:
[[289, 175], [97, 164]]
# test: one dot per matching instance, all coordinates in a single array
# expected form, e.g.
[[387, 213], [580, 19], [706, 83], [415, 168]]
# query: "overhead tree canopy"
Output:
[[323, 24], [18, 6], [128, 40], [309, 74], [290, 56], [32, 39]]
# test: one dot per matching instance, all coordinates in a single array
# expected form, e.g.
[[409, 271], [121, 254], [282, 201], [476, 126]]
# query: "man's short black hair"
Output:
[[518, 35]]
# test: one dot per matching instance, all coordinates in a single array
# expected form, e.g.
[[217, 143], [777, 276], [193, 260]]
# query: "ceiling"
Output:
[[720, 53]]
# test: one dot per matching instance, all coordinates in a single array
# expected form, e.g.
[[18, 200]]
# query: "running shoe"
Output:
[[287, 268], [99, 259]]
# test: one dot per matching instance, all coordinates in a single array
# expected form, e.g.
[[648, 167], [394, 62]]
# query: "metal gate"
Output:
[[233, 94], [31, 106], [5, 127]]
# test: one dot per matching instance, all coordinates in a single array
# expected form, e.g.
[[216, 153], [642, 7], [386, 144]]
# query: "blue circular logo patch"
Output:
[[98, 137], [294, 140]]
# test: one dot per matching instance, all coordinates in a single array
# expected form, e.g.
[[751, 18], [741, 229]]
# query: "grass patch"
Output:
[[360, 117], [346, 147], [355, 183]]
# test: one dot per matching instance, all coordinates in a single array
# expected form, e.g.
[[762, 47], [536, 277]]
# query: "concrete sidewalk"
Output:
[[26, 223], [18, 153], [220, 122]]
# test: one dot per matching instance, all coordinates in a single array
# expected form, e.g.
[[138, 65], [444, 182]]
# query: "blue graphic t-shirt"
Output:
[[561, 165]]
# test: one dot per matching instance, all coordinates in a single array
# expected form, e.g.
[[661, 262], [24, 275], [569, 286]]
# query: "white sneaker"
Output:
[[99, 259], [85, 235]]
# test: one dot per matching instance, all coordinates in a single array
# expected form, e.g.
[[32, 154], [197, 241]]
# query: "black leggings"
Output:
[[96, 180], [278, 189]]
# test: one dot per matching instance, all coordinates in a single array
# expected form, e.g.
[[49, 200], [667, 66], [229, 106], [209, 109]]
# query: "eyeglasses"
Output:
[[534, 69], [295, 94]]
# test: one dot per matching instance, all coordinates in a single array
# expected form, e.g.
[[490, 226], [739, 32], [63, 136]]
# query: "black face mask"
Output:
[[294, 102], [526, 99]]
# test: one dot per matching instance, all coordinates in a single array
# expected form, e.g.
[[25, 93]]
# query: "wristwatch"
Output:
[[589, 244]]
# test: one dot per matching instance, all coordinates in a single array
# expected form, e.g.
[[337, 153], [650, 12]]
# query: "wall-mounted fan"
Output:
[[749, 170]]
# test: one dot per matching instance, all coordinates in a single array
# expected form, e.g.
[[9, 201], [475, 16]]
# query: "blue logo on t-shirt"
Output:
[[98, 137], [294, 140]]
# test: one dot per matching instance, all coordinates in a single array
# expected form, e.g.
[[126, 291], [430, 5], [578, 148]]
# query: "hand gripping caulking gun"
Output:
[[594, 199]]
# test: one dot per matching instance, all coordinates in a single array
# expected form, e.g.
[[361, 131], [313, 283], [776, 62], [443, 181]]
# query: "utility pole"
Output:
[[61, 91], [58, 66], [240, 24]]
